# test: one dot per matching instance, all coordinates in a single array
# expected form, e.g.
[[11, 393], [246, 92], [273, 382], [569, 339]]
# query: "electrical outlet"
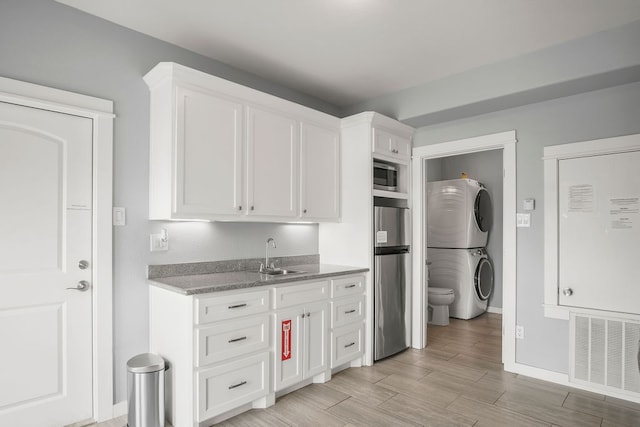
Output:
[[520, 332], [159, 242]]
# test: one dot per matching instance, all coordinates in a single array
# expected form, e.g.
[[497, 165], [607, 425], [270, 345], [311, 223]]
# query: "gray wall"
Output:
[[47, 43], [592, 115], [485, 167]]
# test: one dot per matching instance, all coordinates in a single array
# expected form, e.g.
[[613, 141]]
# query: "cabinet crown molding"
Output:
[[165, 72], [378, 120]]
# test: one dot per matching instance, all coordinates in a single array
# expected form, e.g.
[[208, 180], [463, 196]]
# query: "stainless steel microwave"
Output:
[[385, 176]]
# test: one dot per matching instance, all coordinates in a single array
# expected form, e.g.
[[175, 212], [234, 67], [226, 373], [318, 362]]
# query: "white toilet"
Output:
[[439, 301]]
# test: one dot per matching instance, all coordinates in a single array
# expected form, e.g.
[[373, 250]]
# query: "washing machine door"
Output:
[[482, 210], [483, 279]]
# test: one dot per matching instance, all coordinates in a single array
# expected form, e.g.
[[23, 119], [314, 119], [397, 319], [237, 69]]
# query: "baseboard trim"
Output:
[[120, 409], [563, 379], [497, 310], [541, 374]]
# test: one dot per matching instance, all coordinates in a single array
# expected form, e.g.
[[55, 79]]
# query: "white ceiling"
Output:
[[348, 51]]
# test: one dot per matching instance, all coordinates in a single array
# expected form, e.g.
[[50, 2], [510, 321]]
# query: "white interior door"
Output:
[[45, 229], [599, 232]]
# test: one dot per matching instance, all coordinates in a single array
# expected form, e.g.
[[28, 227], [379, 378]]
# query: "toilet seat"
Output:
[[440, 291]]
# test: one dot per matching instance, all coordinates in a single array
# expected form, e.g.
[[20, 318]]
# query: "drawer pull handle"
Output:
[[231, 387], [349, 345], [237, 339], [350, 311], [353, 285], [237, 306]]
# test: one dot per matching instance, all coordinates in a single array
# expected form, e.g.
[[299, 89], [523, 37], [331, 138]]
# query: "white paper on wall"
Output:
[[624, 213], [581, 198]]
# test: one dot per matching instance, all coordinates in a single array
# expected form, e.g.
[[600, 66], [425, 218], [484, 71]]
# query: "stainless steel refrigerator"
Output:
[[391, 276]]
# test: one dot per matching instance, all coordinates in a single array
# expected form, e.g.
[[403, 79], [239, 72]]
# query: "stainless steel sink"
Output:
[[280, 271]]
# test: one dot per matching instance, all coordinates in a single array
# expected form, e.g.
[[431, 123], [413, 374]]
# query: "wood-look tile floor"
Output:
[[457, 380]]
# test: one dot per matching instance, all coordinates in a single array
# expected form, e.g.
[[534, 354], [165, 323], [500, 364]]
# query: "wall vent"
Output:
[[605, 353]]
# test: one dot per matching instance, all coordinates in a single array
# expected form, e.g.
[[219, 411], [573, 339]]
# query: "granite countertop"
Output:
[[193, 284]]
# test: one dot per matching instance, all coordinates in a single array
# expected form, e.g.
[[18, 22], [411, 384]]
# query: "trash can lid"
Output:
[[145, 362]]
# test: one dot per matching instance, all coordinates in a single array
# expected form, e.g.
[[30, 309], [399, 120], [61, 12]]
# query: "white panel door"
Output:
[[288, 345], [599, 232], [316, 339], [319, 172], [209, 155], [45, 224], [272, 167]]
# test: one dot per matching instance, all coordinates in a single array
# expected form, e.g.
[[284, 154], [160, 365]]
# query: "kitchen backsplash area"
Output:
[[200, 242]]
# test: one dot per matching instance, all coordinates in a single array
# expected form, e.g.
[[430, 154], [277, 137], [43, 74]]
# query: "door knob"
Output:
[[567, 292], [82, 286], [83, 264]]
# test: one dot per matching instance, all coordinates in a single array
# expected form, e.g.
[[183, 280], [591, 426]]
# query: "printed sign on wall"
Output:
[[286, 339]]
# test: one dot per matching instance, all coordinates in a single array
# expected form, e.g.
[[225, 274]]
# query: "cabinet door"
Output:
[[209, 155], [401, 147], [391, 146], [319, 172], [381, 142], [272, 164], [316, 339], [289, 331]]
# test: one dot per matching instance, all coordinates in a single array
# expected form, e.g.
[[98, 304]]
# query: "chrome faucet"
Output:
[[266, 266]]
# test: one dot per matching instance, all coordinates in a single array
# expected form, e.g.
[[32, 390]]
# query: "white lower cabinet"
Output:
[[346, 344], [230, 385], [301, 339], [226, 340], [347, 320], [231, 351]]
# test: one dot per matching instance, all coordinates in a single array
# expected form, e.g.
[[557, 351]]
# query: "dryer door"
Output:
[[483, 279], [482, 210]]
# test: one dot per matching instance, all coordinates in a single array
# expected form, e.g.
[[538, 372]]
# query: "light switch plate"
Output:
[[119, 216], [529, 204], [523, 220]]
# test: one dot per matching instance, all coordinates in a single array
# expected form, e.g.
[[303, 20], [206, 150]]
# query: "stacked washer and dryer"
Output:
[[459, 218]]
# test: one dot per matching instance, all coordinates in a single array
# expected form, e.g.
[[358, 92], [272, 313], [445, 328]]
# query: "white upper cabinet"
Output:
[[220, 150], [272, 166], [319, 173], [208, 154], [389, 145]]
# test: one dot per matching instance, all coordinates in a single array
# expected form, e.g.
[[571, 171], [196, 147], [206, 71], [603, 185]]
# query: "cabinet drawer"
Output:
[[346, 286], [345, 311], [225, 340], [346, 344], [230, 385], [213, 309], [288, 296]]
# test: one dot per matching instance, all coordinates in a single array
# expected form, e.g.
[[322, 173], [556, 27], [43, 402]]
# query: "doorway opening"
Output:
[[425, 157]]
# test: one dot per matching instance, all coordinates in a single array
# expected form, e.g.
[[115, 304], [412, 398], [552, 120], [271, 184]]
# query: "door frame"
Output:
[[100, 111], [505, 141]]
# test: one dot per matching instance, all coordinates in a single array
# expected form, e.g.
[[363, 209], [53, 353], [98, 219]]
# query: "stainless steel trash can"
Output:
[[145, 391]]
